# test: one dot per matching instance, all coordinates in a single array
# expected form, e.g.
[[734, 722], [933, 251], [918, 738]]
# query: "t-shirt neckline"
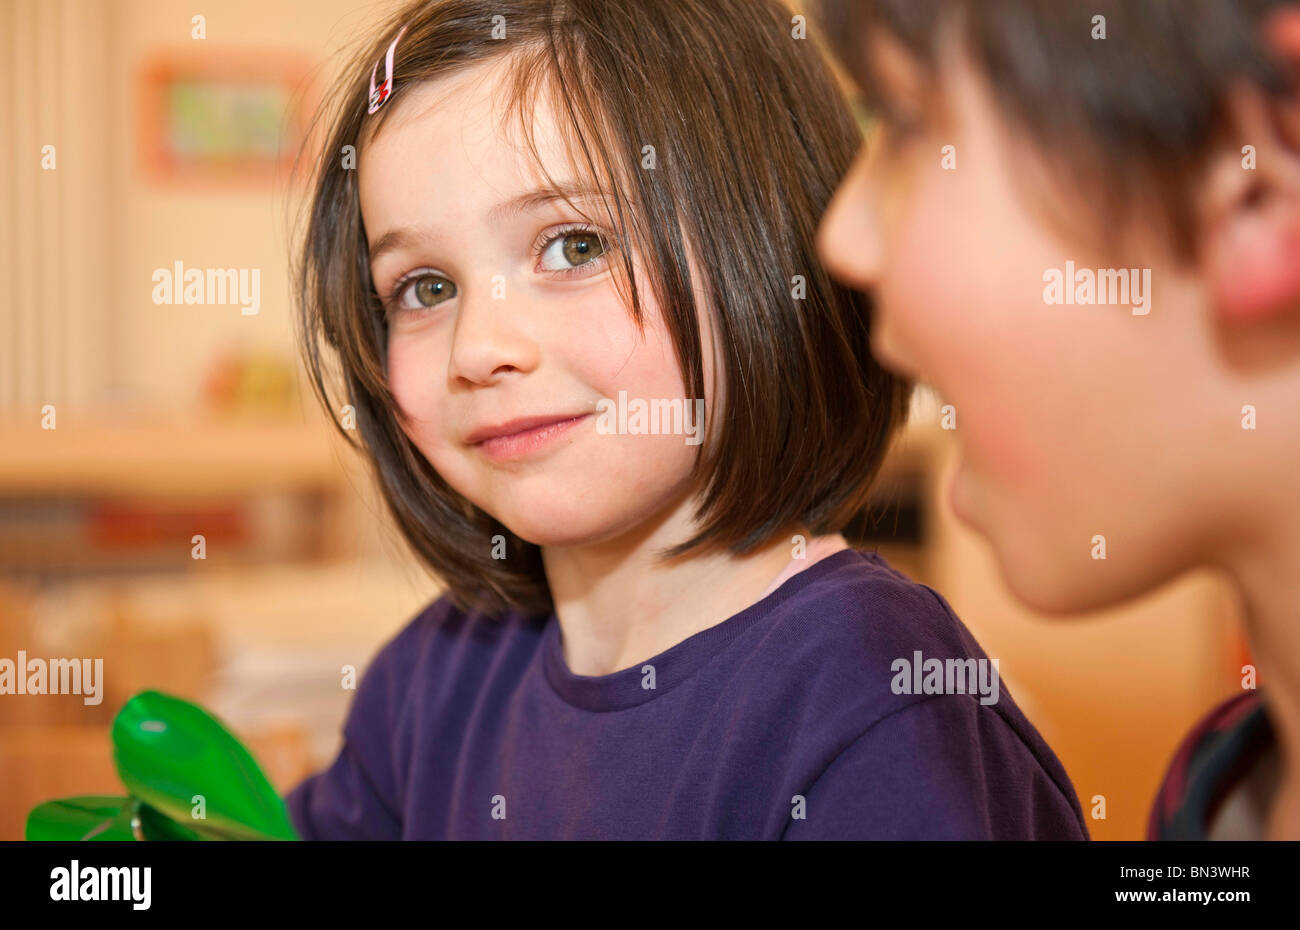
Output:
[[629, 687]]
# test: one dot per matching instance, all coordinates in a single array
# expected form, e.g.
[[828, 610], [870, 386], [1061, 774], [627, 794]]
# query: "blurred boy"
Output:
[[1082, 227]]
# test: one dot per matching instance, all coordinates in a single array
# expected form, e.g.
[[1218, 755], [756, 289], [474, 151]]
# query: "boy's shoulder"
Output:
[[1217, 758]]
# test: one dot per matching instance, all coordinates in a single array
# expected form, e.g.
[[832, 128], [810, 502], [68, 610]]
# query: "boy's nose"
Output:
[[848, 240]]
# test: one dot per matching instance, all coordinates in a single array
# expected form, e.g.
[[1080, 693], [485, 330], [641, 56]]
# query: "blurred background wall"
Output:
[[130, 428]]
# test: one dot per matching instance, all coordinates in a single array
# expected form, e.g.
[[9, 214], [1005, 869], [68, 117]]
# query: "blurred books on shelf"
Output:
[[78, 501], [247, 381], [265, 649]]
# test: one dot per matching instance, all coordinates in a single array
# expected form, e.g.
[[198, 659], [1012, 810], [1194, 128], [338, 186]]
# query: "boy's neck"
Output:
[[1269, 583]]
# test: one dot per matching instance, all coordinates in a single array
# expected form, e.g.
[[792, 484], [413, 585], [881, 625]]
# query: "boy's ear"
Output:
[[1251, 196]]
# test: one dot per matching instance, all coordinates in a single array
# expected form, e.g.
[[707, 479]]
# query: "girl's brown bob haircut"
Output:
[[751, 136]]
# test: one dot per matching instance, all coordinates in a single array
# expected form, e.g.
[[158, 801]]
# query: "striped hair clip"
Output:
[[380, 94]]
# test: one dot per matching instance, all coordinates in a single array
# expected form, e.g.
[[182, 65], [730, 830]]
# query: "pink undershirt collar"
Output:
[[817, 549]]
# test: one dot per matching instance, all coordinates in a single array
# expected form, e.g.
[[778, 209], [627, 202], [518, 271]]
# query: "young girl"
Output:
[[1158, 146], [653, 627]]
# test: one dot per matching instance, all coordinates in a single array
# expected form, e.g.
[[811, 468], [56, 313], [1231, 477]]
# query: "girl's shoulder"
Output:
[[442, 620], [907, 658], [442, 639], [852, 603], [864, 599], [860, 640], [851, 635]]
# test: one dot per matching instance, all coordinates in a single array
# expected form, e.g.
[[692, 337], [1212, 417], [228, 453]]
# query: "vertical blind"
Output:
[[57, 295]]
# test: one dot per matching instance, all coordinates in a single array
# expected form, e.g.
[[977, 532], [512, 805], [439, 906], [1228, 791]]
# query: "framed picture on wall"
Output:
[[228, 120]]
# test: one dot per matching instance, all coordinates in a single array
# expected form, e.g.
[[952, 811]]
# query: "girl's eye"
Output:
[[421, 291], [565, 253], [571, 250]]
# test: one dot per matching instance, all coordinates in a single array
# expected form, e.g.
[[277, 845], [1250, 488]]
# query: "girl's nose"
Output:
[[849, 238], [490, 339]]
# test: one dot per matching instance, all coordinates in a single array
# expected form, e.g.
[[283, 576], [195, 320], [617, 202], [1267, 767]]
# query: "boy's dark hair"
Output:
[[1130, 117], [752, 136]]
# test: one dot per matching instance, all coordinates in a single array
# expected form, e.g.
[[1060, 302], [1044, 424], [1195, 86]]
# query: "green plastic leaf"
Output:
[[155, 825], [169, 752], [87, 817]]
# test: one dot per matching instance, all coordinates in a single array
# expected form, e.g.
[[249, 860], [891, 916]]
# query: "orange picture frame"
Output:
[[228, 120]]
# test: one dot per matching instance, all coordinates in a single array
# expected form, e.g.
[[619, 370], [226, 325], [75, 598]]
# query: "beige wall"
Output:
[[78, 244], [165, 347]]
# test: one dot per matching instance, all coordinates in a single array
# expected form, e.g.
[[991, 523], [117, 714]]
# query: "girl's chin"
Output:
[[547, 535], [550, 527]]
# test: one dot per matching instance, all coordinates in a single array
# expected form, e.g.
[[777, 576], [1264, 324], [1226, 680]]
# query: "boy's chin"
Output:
[[1056, 588], [1047, 593], [1046, 574]]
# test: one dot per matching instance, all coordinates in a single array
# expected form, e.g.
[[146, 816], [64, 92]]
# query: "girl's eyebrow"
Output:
[[406, 236], [565, 190]]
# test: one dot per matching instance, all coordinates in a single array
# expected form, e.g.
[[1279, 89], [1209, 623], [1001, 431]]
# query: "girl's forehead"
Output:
[[473, 111], [452, 148]]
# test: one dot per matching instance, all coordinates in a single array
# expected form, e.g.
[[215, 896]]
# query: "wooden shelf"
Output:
[[172, 459]]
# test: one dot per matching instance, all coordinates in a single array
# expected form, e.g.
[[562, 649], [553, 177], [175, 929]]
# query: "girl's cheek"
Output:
[[411, 376], [398, 369], [600, 345]]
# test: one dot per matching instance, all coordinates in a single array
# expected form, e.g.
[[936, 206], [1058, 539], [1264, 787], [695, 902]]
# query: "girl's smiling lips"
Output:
[[519, 437]]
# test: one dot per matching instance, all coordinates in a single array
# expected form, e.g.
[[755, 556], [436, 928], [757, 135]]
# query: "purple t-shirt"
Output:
[[808, 715]]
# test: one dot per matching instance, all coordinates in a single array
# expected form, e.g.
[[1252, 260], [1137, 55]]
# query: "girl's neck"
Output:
[[1268, 578], [618, 605]]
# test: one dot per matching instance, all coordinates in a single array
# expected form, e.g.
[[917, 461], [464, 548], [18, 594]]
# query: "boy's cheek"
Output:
[[938, 307], [885, 346], [961, 307], [916, 289]]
